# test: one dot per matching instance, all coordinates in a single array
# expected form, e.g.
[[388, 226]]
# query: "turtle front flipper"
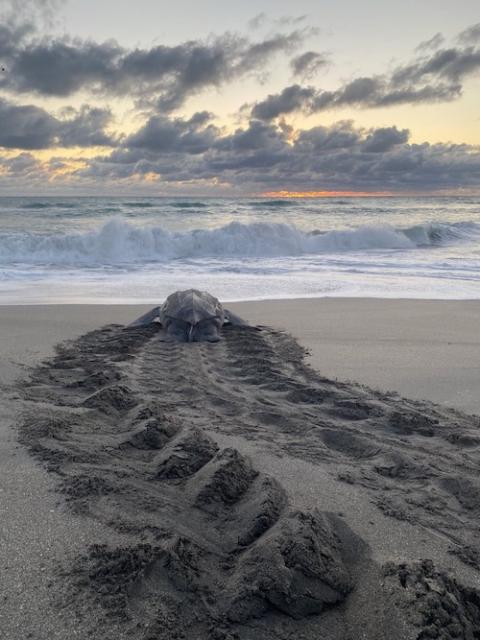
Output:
[[147, 319]]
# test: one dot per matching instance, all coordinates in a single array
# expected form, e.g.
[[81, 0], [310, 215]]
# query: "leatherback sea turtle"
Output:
[[190, 316]]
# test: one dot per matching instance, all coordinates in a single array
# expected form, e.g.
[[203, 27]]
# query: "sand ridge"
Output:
[[128, 422]]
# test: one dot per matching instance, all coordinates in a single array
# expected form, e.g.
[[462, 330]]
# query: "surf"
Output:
[[120, 242]]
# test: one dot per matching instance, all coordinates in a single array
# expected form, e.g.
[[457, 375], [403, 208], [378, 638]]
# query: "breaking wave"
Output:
[[119, 242]]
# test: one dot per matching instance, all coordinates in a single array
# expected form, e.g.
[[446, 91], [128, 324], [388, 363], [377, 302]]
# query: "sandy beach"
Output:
[[213, 466], [239, 320]]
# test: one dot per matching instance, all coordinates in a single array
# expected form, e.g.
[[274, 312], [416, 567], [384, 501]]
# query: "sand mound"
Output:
[[436, 605], [297, 569], [185, 456], [114, 398]]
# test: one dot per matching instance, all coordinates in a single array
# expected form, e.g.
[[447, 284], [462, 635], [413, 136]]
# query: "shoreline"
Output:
[[227, 302]]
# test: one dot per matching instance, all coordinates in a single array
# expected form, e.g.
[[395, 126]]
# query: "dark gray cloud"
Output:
[[307, 64], [384, 139], [293, 98], [31, 127], [20, 165], [60, 68], [164, 135], [325, 140], [85, 128], [26, 127], [449, 65], [257, 136], [264, 156], [170, 74], [11, 35], [433, 76]]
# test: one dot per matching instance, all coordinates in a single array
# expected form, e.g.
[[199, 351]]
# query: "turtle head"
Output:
[[207, 330]]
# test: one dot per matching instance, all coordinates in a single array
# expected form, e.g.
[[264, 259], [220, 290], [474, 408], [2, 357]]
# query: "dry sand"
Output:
[[321, 529], [425, 349]]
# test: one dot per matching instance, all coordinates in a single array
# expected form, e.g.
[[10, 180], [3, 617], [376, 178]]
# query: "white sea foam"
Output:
[[120, 242], [75, 249]]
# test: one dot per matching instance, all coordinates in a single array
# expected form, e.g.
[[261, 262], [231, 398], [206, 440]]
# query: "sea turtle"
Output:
[[190, 316]]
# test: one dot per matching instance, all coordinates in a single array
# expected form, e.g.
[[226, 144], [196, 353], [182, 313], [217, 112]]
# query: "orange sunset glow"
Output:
[[325, 194]]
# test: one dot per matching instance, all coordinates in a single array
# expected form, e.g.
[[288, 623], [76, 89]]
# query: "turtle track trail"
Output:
[[216, 547]]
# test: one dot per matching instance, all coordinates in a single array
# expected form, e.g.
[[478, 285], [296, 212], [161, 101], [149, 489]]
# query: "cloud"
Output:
[[433, 76], [291, 20], [86, 128], [261, 19], [384, 139], [11, 34], [26, 127], [293, 98], [253, 140], [31, 128], [63, 66], [263, 156], [470, 35], [38, 12], [163, 135], [20, 165], [257, 21], [433, 43], [257, 54], [450, 65], [42, 6], [58, 68], [341, 136], [307, 64]]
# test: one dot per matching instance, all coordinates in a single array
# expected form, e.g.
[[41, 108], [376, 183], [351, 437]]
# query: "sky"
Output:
[[216, 98]]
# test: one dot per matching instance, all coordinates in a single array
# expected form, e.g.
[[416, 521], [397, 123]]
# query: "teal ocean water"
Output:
[[122, 250]]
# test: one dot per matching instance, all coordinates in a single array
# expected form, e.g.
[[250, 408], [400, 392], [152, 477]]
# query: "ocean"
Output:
[[138, 250]]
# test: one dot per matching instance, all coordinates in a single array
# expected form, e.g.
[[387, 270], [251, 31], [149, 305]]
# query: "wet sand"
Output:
[[234, 483]]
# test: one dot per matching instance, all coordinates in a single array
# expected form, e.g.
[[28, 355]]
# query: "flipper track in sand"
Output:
[[128, 421]]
